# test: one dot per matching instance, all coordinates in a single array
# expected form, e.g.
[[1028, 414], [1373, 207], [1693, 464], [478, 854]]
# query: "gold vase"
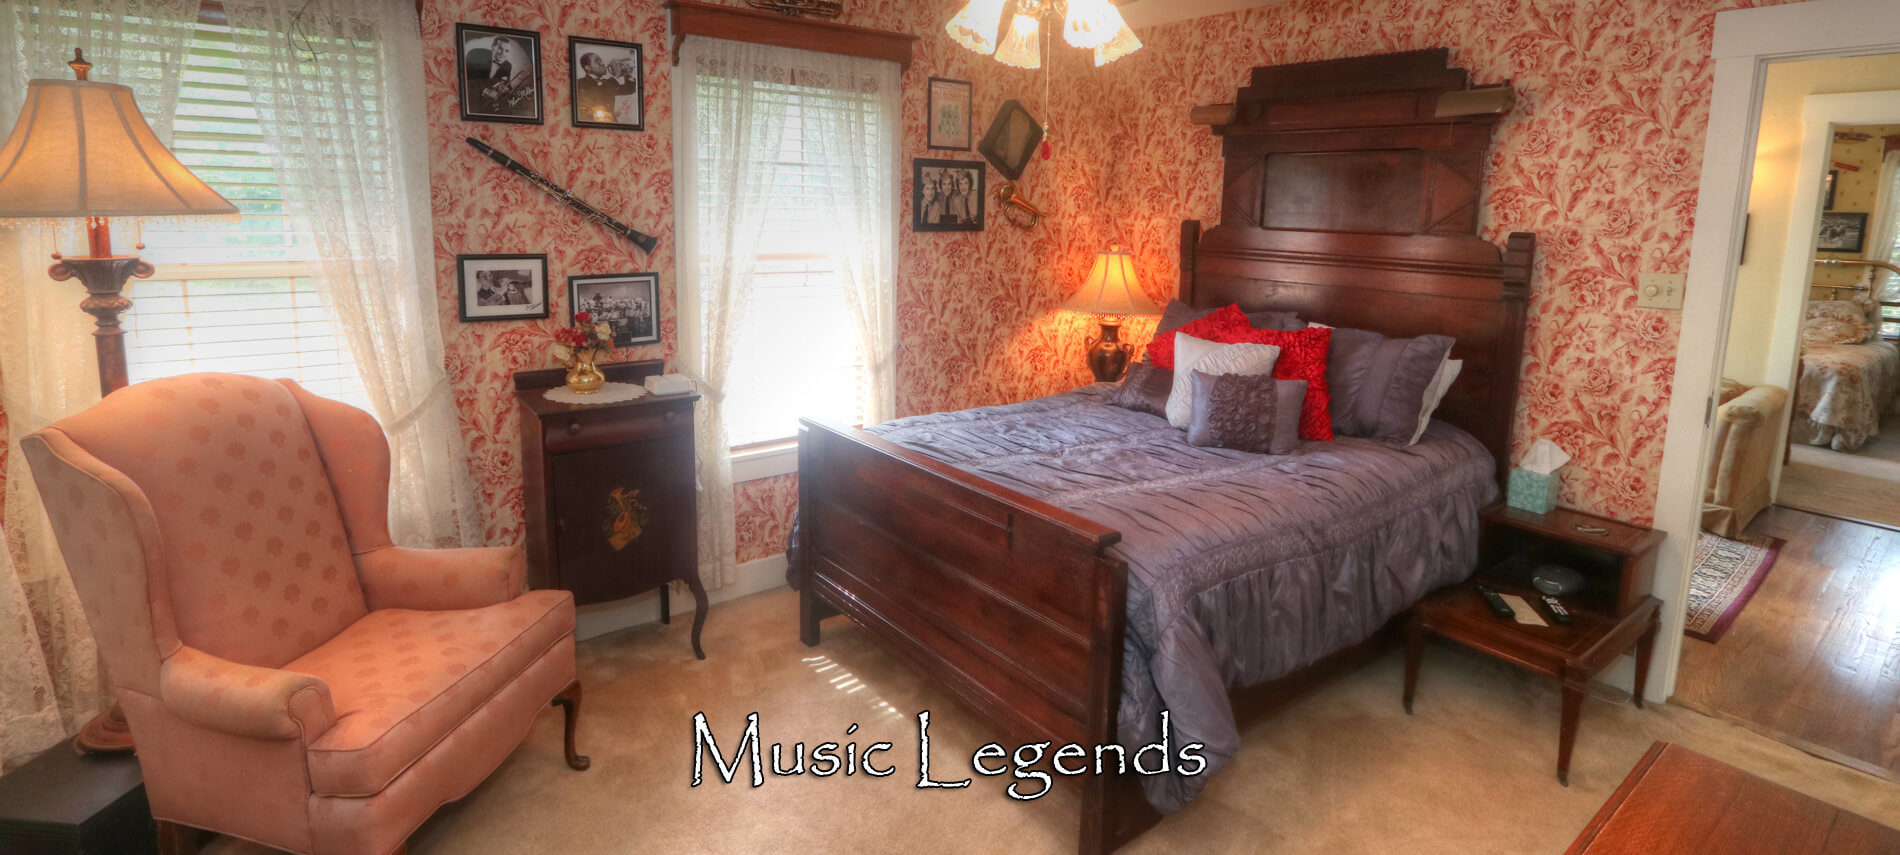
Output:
[[582, 375]]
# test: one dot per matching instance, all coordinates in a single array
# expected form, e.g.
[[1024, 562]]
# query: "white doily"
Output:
[[609, 393]]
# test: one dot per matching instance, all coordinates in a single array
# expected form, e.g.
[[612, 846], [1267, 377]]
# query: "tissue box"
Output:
[[1531, 491]]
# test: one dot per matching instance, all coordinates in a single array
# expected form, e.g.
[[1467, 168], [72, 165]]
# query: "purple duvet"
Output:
[[1241, 567]]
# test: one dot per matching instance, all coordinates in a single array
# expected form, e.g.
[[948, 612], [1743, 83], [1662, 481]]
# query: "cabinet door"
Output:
[[618, 515]]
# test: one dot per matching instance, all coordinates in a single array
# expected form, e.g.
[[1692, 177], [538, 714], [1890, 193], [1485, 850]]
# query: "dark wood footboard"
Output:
[[1011, 602]]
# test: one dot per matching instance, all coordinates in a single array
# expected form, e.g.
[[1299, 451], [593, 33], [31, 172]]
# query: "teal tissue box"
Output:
[[1532, 492]]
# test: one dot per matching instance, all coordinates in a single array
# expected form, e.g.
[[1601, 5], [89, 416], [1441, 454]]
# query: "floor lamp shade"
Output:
[[83, 149], [1111, 292]]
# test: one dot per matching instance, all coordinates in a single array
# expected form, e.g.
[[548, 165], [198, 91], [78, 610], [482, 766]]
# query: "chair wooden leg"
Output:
[[570, 702], [175, 839]]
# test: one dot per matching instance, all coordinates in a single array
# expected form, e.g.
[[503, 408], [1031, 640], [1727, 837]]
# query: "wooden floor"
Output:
[[1814, 658]]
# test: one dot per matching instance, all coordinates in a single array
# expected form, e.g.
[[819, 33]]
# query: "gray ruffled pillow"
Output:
[[1144, 389], [1378, 384], [1179, 314], [1246, 412]]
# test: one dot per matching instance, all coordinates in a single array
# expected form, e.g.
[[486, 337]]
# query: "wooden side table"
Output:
[[1609, 617]]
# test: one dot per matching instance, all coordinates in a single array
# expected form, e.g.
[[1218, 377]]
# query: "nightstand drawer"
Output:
[[582, 430]]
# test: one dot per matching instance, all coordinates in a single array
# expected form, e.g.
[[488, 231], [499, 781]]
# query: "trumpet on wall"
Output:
[[1017, 211]]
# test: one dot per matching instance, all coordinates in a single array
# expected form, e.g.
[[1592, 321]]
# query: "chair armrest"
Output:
[[397, 577], [244, 700], [1754, 406]]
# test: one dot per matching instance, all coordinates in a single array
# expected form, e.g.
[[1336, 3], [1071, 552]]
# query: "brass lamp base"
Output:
[[1107, 356]]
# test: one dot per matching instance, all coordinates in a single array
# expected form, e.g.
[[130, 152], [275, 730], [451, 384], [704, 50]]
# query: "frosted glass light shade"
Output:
[[1021, 45], [83, 149], [975, 25], [1124, 43], [1091, 23], [1112, 288]]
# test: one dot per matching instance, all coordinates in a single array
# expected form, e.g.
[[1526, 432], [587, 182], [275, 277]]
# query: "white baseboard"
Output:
[[763, 574]]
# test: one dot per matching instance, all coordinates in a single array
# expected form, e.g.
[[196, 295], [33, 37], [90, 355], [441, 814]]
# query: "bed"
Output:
[[1844, 390], [1068, 568]]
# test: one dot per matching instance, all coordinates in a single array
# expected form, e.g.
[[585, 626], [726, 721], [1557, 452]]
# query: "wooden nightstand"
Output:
[[1611, 615]]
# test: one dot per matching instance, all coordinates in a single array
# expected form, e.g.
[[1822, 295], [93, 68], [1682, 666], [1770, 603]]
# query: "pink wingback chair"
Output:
[[290, 676]]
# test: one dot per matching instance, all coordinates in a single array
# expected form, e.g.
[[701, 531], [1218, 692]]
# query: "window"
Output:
[[232, 297], [797, 351]]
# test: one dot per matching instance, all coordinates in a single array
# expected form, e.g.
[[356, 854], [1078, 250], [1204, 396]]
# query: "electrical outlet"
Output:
[[1660, 290]]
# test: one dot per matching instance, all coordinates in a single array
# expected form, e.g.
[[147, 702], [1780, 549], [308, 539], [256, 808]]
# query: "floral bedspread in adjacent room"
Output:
[[1844, 390]]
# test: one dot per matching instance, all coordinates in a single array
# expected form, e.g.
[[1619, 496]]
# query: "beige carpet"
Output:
[[1864, 485], [1342, 771]]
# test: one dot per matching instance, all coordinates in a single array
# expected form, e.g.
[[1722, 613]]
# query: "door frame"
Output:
[[1746, 42]]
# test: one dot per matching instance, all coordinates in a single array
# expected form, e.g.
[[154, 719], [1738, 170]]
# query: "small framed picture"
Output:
[[609, 84], [1833, 180], [949, 114], [946, 195], [1012, 138], [628, 302], [1843, 232], [502, 287], [500, 72]]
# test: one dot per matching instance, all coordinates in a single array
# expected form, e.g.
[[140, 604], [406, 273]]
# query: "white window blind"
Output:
[[233, 297], [796, 353]]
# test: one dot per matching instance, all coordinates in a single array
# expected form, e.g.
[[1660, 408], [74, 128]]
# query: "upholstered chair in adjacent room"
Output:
[[290, 676]]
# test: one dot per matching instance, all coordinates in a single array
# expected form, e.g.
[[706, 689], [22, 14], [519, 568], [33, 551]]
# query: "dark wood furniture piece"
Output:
[[1613, 613], [712, 20], [610, 492], [1678, 802], [61, 803], [1348, 200]]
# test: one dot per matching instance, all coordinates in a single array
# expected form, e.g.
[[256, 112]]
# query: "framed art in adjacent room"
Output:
[[946, 195], [500, 73], [628, 302], [1011, 139], [1833, 180], [1842, 231], [502, 287], [609, 84], [949, 114]]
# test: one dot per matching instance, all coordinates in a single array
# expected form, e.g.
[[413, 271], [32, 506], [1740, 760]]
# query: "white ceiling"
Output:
[[1148, 13]]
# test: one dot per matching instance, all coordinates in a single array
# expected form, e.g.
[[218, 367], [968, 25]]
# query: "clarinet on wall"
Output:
[[640, 239]]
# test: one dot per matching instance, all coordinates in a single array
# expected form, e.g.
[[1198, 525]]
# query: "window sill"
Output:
[[769, 461]]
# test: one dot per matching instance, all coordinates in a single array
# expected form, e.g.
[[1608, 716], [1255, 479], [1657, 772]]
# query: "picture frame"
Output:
[[607, 82], [628, 302], [1011, 140], [502, 286], [508, 90], [947, 195], [1832, 181], [1843, 231], [948, 115]]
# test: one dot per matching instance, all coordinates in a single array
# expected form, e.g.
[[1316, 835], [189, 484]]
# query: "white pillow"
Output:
[[1192, 354], [1434, 392]]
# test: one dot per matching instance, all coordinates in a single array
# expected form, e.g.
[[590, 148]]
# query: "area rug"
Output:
[[1727, 572]]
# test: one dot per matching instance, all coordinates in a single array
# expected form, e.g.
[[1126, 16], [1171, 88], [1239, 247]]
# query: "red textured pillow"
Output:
[[1303, 357], [1225, 326]]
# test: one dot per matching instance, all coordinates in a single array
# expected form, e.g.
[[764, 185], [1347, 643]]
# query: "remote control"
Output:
[[1557, 610], [1498, 606]]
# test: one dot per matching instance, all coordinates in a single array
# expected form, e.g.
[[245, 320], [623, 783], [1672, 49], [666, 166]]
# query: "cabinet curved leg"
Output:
[[699, 611], [569, 700]]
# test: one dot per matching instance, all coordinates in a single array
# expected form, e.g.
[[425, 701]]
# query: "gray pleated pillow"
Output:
[[1246, 412], [1378, 384], [1144, 389]]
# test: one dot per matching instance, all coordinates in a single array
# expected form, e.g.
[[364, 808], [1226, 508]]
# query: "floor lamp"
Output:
[[82, 150]]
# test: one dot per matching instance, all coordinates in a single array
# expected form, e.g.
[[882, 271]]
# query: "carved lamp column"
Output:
[[1110, 294], [81, 150]]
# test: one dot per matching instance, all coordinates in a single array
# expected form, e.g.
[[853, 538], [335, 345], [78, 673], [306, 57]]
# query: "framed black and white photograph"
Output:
[[949, 114], [946, 195], [1011, 140], [628, 302], [609, 84], [502, 287], [500, 72], [1843, 232]]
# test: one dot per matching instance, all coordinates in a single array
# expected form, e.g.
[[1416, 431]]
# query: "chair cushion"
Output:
[[402, 680]]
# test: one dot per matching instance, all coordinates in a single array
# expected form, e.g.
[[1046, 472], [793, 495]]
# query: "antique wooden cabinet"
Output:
[[610, 491]]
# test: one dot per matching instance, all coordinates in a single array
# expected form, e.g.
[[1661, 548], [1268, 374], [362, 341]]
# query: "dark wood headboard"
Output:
[[1350, 200]]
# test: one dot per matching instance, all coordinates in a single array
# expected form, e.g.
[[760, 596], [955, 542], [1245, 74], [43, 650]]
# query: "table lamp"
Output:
[[82, 150], [1111, 293]]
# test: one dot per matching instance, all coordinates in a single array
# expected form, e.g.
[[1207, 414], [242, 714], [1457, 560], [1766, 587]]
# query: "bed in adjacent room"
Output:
[[1070, 568], [1850, 376]]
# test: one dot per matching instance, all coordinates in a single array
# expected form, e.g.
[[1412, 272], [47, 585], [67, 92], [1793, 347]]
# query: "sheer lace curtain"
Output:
[[1883, 242], [49, 673], [338, 86]]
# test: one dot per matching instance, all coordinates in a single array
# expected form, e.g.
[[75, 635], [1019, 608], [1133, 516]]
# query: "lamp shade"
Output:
[[975, 25], [1124, 43], [83, 149], [1021, 45], [1112, 288], [1091, 23]]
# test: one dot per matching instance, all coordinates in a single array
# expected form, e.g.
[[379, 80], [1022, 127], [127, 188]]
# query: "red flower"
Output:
[[583, 317]]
